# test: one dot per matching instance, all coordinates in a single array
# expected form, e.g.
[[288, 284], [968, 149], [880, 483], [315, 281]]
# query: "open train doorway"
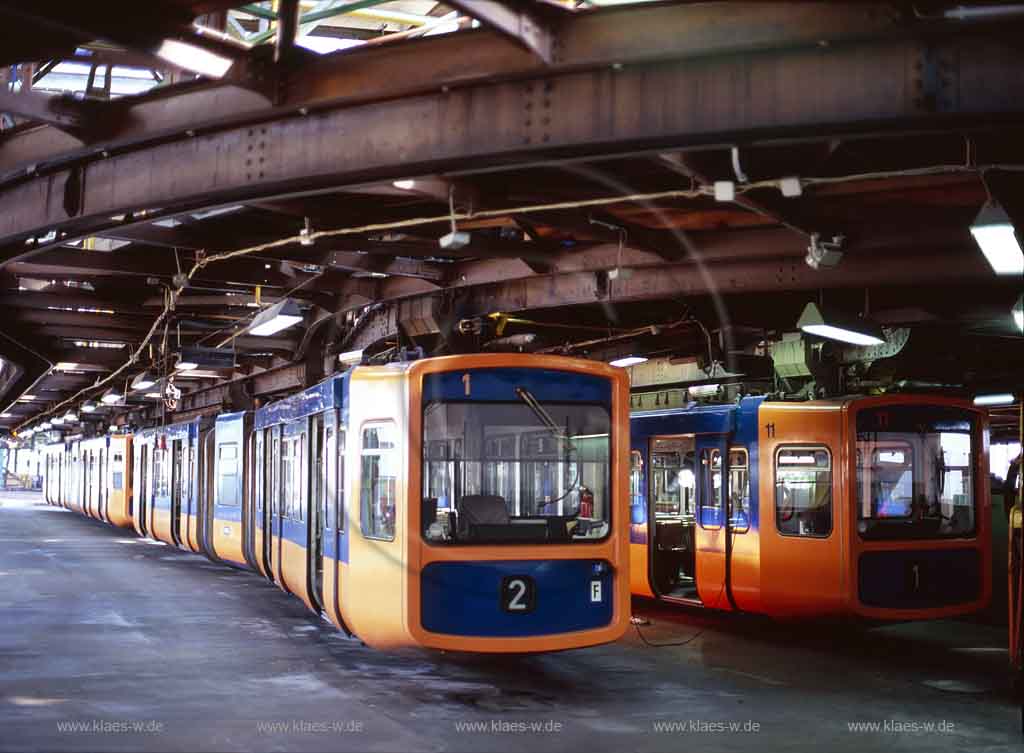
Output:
[[672, 493]]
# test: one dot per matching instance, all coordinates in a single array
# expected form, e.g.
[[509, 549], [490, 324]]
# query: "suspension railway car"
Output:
[[872, 507], [472, 503]]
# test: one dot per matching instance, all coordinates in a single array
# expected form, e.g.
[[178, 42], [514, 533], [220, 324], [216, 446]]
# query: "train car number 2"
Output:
[[518, 594]]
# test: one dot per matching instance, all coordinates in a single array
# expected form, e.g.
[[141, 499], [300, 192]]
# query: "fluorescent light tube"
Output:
[[628, 361], [194, 58], [994, 233]]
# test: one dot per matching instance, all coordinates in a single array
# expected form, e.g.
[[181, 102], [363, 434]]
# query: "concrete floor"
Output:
[[109, 642]]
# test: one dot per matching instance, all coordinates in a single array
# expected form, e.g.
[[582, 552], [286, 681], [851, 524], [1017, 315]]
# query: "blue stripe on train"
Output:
[[499, 384], [705, 421], [464, 598]]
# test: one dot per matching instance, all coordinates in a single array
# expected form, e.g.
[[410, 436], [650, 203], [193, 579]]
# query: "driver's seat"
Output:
[[481, 509]]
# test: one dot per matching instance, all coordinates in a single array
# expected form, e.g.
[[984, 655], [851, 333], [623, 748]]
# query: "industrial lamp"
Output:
[[628, 361], [1003, 398], [1018, 313], [994, 232], [193, 58], [71, 417], [89, 407], [834, 325], [111, 396], [281, 315], [143, 381]]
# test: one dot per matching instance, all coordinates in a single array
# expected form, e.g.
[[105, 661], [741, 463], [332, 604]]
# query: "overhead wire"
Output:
[[696, 192]]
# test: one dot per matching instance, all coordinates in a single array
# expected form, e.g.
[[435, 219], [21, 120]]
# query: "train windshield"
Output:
[[914, 472], [515, 472]]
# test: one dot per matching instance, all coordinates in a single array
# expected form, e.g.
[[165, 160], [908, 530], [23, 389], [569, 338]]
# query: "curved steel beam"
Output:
[[853, 89]]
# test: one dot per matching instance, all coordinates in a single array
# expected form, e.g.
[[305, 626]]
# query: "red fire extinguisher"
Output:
[[586, 503]]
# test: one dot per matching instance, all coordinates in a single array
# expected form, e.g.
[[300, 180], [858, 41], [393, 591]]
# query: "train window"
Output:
[[803, 491], [117, 480], [636, 489], [739, 491], [379, 472], [914, 472], [330, 486], [289, 487], [711, 501], [519, 471], [672, 479], [300, 477], [275, 482], [340, 497], [227, 474], [161, 473]]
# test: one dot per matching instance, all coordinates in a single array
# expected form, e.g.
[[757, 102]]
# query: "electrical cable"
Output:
[[700, 191]]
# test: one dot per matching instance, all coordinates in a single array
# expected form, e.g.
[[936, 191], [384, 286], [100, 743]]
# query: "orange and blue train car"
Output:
[[471, 503], [167, 488], [91, 476], [872, 508]]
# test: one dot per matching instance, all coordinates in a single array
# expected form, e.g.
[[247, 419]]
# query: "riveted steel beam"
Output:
[[783, 94]]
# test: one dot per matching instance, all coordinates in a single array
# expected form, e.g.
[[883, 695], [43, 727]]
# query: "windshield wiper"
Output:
[[544, 417]]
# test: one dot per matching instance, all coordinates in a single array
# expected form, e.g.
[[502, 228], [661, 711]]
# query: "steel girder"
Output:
[[874, 78]]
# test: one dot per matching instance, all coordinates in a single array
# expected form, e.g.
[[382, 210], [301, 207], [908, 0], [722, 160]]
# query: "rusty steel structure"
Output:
[[578, 150]]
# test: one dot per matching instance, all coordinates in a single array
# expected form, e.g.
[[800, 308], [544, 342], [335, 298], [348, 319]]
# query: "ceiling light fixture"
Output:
[[1002, 398], [193, 58], [143, 381], [89, 407], [281, 315], [70, 417], [57, 421], [628, 361], [995, 235], [66, 366], [111, 396], [836, 326], [26, 398], [1018, 313]]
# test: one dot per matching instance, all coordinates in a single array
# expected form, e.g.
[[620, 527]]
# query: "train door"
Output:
[[294, 521], [205, 491], [672, 516], [145, 484], [275, 506], [318, 479], [103, 486], [802, 522], [86, 467], [249, 469], [335, 543], [190, 495], [177, 482], [712, 526], [258, 527], [228, 493]]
